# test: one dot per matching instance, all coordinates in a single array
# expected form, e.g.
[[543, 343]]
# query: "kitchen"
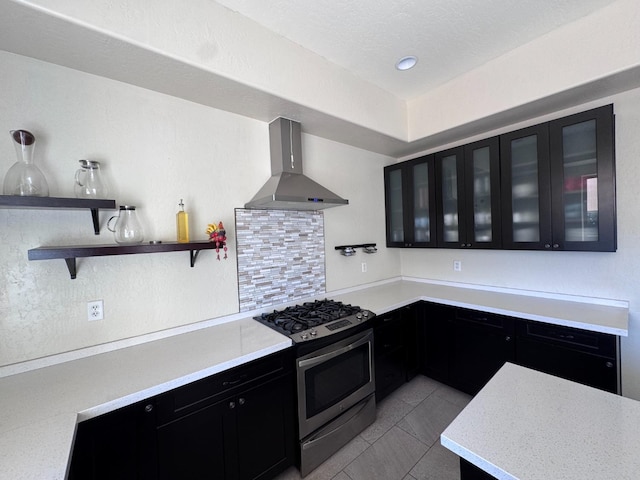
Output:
[[159, 143]]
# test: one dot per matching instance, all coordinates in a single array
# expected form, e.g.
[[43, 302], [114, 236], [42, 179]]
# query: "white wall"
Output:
[[607, 275], [155, 149]]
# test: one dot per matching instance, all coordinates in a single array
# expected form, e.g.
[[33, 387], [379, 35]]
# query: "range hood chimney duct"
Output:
[[288, 188]]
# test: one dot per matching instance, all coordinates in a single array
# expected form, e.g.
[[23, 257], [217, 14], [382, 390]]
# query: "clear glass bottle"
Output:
[[182, 224], [24, 178]]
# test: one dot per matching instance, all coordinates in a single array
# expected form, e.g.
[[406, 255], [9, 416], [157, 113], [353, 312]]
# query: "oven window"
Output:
[[334, 380]]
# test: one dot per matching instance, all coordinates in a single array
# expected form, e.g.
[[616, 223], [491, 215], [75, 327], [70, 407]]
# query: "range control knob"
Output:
[[359, 316], [365, 313], [304, 336], [313, 333]]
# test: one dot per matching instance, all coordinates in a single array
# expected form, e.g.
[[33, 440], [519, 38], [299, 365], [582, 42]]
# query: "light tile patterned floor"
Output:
[[404, 441]]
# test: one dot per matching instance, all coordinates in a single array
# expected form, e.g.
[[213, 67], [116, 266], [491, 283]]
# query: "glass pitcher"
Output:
[[127, 229], [89, 181]]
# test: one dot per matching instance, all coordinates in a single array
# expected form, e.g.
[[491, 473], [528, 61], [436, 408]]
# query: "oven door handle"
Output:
[[327, 356]]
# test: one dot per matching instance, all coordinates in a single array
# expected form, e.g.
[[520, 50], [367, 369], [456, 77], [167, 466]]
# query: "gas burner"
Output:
[[308, 315]]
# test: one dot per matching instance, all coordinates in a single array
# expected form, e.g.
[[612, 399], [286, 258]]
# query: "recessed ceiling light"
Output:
[[405, 63]]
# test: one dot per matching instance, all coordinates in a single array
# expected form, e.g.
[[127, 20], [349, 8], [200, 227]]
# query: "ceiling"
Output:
[[449, 37]]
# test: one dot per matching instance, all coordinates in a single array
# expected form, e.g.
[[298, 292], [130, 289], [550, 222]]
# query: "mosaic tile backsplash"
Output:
[[280, 256]]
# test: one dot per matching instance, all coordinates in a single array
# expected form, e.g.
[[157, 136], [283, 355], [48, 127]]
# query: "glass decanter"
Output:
[[24, 177]]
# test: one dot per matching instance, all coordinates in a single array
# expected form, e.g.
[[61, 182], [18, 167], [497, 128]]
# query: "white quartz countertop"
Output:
[[600, 315], [39, 409], [527, 425]]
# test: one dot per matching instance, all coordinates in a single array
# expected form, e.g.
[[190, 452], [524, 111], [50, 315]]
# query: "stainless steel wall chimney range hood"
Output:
[[288, 188]]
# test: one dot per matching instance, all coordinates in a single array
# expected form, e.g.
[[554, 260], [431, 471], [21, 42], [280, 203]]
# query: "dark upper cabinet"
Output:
[[410, 203], [547, 187], [583, 181], [526, 189], [468, 196], [558, 184]]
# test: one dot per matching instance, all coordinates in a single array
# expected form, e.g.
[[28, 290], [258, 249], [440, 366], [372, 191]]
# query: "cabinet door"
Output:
[[482, 194], [115, 445], [394, 188], [583, 181], [526, 189], [437, 341], [451, 212], [390, 371], [410, 203], [196, 445], [421, 202], [482, 344], [265, 429]]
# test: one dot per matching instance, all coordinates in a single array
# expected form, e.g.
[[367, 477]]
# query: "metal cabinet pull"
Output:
[[241, 401], [609, 364], [232, 405], [148, 408]]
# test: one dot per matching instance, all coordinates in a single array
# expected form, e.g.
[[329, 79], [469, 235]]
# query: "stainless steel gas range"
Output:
[[335, 374]]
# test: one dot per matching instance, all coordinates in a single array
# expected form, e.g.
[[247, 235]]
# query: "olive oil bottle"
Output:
[[182, 224]]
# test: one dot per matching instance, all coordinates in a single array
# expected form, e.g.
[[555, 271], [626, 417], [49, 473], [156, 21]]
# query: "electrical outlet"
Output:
[[364, 267], [457, 265], [95, 310]]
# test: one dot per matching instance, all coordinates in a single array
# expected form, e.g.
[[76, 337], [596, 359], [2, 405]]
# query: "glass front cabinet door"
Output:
[[583, 181], [526, 191], [468, 209], [410, 203]]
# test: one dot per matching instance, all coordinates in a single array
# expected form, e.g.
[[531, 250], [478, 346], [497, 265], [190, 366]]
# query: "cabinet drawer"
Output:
[[581, 340], [485, 320], [207, 391]]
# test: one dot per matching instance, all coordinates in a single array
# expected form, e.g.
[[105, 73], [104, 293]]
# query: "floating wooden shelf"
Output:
[[70, 253], [17, 201]]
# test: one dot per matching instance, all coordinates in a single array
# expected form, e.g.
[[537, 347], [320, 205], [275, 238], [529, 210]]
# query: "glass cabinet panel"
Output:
[[450, 198], [482, 194], [580, 189], [396, 213], [525, 197], [421, 219]]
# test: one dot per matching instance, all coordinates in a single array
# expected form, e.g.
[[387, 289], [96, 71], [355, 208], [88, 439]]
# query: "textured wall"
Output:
[[155, 149], [280, 256]]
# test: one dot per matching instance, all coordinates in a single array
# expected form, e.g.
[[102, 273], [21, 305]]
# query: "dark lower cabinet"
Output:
[[396, 345], [119, 444], [483, 342], [464, 348], [468, 471], [245, 436], [235, 425], [585, 357], [436, 339]]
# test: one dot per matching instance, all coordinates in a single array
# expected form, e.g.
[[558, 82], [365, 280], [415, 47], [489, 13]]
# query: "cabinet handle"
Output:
[[148, 408], [234, 382], [241, 401], [547, 245], [609, 364], [232, 405], [555, 245], [508, 338]]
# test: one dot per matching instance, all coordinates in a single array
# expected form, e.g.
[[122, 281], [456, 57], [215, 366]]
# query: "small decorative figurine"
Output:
[[218, 235]]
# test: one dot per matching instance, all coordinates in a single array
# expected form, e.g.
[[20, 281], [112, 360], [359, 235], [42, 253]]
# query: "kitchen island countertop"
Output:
[[527, 425], [39, 408]]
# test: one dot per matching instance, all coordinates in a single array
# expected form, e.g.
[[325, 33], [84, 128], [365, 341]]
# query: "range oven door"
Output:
[[333, 379]]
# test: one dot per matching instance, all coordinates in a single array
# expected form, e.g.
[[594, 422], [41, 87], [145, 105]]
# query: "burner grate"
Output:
[[310, 314]]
